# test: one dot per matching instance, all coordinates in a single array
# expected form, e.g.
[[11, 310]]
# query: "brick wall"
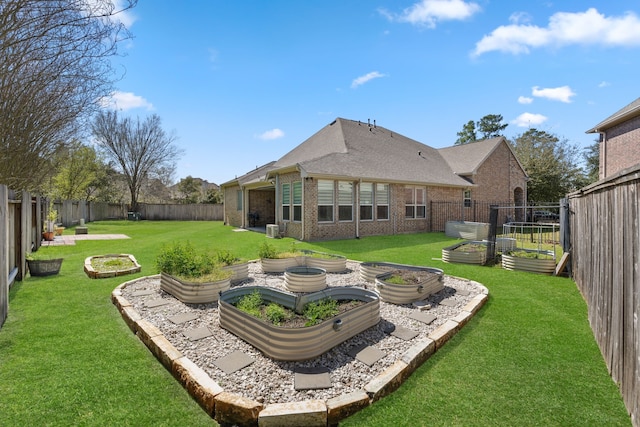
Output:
[[622, 147], [232, 216], [498, 177]]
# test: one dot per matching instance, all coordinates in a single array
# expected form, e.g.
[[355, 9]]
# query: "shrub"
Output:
[[182, 260], [250, 303], [276, 313], [267, 251], [225, 257], [317, 311]]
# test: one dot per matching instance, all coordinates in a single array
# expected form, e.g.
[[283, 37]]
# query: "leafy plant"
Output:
[[317, 311], [225, 257], [276, 313], [250, 303], [40, 255], [184, 261], [268, 251], [395, 279]]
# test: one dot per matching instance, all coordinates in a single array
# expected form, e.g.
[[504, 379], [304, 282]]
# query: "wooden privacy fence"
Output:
[[605, 251], [191, 212]]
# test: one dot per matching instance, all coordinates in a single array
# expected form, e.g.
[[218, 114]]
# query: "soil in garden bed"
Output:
[[295, 320], [410, 277]]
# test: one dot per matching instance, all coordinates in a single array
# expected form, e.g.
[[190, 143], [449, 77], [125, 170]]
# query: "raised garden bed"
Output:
[[240, 271], [404, 286], [112, 265], [193, 292], [305, 279], [298, 343], [44, 267], [329, 262], [467, 230], [468, 252], [533, 261]]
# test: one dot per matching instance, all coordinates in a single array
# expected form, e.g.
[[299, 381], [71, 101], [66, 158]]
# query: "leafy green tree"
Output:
[[551, 163], [592, 162], [190, 190], [213, 196], [467, 134], [78, 168], [490, 126]]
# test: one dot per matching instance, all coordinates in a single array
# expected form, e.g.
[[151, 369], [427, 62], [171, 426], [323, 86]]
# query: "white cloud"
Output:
[[366, 78], [429, 12], [114, 10], [604, 84], [271, 134], [581, 28], [529, 119], [125, 101], [524, 100], [562, 93]]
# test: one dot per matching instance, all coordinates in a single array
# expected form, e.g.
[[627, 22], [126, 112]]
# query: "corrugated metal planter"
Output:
[[369, 270], [240, 271], [532, 265], [279, 265], [467, 230], [329, 262], [94, 274], [294, 344], [405, 293], [305, 279], [193, 293], [454, 254], [44, 267]]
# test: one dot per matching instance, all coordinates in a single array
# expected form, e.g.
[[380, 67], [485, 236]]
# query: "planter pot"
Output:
[[278, 265], [44, 267], [59, 231], [193, 293], [452, 254], [94, 274], [240, 271], [408, 293], [532, 265], [330, 263], [467, 230], [48, 236], [305, 279], [294, 344]]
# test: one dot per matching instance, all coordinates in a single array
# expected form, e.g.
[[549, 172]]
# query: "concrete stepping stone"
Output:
[[182, 318], [422, 317], [311, 378], [462, 292], [198, 333], [233, 362], [367, 354], [143, 293], [404, 333], [156, 303], [449, 302]]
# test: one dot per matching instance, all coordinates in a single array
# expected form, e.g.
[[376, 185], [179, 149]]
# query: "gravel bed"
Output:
[[268, 381]]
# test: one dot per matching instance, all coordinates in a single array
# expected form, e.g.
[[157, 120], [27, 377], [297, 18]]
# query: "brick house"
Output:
[[619, 140], [354, 179]]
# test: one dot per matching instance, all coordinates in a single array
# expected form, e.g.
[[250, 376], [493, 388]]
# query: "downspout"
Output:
[[304, 205], [357, 213], [277, 200], [603, 154], [245, 199]]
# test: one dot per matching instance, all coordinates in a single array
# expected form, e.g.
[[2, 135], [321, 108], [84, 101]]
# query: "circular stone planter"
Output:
[[193, 293], [454, 254], [294, 344], [99, 274], [407, 293], [279, 265], [532, 265], [240, 271], [305, 279]]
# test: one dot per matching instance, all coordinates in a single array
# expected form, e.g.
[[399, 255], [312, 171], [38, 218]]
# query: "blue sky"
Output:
[[241, 83]]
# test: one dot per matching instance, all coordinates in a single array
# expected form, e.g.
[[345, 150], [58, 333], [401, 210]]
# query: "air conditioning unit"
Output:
[[273, 231]]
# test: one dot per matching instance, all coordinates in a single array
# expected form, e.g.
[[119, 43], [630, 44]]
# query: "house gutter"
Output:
[[356, 211]]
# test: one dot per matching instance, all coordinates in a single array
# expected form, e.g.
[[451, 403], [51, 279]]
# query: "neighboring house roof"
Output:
[[466, 159], [352, 149], [630, 111]]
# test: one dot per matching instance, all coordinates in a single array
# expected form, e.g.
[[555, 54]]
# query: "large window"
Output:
[[345, 201], [297, 201], [382, 201], [467, 198], [366, 201], [325, 201], [415, 202], [286, 202]]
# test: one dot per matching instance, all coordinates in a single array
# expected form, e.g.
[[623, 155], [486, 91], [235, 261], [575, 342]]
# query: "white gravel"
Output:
[[268, 381]]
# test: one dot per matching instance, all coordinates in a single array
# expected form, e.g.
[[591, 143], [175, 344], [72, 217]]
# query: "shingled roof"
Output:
[[465, 159], [352, 149], [622, 115]]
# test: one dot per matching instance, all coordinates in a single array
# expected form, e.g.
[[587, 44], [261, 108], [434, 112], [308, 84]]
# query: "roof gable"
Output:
[[622, 115], [466, 159]]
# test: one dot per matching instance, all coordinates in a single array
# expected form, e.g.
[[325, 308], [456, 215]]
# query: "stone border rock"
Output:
[[93, 274], [231, 408]]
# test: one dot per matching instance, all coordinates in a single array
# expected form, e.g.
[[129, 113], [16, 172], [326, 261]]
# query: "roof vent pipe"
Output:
[[369, 122], [374, 122]]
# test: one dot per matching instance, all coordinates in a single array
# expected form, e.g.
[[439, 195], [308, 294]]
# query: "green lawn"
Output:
[[527, 358]]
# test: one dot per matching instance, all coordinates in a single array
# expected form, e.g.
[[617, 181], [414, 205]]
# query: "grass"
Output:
[[527, 358]]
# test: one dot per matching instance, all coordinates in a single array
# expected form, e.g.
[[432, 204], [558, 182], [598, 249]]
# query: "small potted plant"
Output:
[[189, 275], [42, 263], [50, 224]]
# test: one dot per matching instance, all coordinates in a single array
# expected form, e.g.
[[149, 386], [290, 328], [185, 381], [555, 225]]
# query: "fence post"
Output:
[[493, 226]]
